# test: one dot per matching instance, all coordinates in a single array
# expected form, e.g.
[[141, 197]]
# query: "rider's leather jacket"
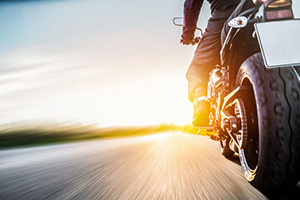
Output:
[[192, 10]]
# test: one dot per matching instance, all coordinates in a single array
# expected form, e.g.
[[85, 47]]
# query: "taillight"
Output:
[[279, 3], [274, 3], [279, 14], [277, 9]]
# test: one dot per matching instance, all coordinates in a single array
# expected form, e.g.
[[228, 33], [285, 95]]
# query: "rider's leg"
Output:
[[197, 76], [206, 56]]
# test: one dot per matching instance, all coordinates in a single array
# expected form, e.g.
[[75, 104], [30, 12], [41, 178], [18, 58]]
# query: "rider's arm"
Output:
[[191, 14]]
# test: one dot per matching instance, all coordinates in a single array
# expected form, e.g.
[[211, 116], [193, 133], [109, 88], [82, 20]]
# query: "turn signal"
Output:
[[238, 22]]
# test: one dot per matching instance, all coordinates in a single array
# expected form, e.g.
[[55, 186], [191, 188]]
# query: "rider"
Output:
[[207, 54]]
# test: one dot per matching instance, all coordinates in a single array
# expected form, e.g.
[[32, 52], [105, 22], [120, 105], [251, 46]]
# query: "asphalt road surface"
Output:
[[163, 166]]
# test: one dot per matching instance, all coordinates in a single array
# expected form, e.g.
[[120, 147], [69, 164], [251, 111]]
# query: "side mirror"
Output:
[[178, 21]]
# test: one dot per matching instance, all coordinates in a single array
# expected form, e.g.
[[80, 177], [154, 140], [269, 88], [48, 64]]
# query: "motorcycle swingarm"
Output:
[[233, 95], [230, 123]]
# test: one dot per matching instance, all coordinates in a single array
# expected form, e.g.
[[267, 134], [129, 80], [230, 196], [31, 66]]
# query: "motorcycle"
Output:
[[254, 94]]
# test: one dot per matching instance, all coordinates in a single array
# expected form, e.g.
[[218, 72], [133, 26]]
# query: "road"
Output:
[[162, 166]]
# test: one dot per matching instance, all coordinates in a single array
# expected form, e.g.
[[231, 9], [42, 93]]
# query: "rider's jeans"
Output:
[[207, 54]]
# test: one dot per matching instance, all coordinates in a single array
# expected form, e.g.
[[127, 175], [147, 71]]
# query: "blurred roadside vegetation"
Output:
[[48, 134]]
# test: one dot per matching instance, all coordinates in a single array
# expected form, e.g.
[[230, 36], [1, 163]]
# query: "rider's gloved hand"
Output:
[[188, 40]]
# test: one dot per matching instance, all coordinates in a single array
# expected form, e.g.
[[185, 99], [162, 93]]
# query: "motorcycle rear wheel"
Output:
[[271, 159]]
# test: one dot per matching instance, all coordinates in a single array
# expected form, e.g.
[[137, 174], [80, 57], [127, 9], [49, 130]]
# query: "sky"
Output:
[[111, 63]]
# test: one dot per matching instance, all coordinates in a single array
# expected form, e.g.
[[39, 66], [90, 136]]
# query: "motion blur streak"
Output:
[[165, 166]]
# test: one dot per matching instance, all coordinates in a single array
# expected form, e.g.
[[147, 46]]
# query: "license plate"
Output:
[[279, 42]]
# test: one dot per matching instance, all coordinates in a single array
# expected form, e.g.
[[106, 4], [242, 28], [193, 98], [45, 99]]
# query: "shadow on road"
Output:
[[235, 159]]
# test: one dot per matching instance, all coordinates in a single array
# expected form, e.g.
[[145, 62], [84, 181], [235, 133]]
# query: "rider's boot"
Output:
[[201, 108]]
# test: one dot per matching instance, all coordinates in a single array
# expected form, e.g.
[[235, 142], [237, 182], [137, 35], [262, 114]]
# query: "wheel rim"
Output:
[[240, 114], [249, 156]]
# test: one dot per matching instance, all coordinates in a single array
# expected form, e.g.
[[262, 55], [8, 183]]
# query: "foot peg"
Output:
[[214, 137]]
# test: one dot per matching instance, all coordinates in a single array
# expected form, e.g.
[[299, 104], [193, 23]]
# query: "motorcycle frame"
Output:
[[237, 47]]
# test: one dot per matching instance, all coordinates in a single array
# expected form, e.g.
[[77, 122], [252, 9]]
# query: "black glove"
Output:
[[186, 39], [192, 41]]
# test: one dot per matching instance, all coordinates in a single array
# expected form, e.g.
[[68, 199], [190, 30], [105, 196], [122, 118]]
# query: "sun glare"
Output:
[[82, 72], [151, 99]]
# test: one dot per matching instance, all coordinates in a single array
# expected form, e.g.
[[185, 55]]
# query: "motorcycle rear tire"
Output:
[[271, 159]]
